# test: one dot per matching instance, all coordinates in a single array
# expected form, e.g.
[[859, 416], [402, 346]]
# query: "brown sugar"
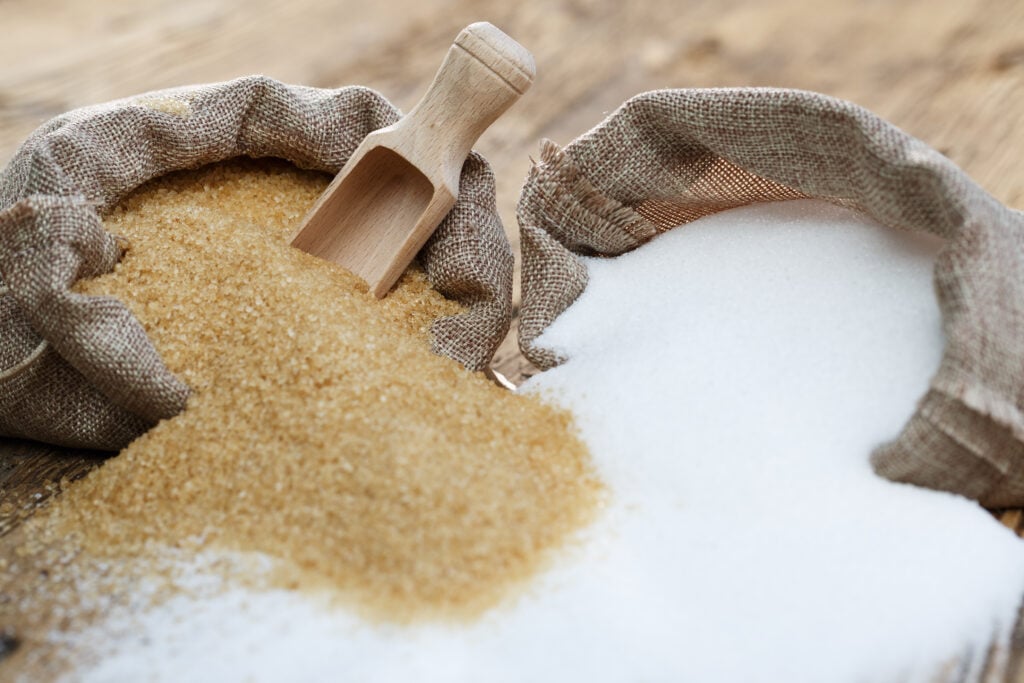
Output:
[[321, 430]]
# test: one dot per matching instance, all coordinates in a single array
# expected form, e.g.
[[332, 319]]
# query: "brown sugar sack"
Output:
[[321, 430], [79, 370]]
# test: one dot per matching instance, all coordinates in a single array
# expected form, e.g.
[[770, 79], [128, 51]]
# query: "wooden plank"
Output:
[[31, 473]]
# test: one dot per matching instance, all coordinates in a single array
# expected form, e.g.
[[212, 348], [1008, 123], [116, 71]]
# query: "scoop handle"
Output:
[[483, 73]]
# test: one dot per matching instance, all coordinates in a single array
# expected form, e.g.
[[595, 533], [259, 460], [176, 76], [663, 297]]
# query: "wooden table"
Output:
[[951, 73]]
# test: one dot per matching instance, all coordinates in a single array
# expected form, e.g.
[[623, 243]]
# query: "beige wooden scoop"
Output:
[[402, 180]]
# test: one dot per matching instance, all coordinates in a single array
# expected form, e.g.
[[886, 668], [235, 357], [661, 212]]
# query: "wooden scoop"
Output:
[[402, 180]]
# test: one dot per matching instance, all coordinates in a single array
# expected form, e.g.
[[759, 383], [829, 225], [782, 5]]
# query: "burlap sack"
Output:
[[668, 157], [79, 370]]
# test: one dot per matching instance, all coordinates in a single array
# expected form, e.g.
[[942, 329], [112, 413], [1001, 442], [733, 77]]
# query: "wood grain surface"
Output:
[[950, 73]]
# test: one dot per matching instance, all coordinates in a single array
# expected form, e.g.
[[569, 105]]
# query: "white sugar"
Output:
[[731, 379]]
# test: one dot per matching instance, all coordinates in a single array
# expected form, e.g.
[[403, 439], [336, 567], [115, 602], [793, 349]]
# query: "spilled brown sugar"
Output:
[[322, 431]]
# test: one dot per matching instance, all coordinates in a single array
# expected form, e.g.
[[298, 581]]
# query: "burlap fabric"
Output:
[[668, 157], [79, 370]]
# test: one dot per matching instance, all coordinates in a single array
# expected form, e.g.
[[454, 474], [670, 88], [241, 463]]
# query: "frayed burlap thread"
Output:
[[666, 158], [79, 370]]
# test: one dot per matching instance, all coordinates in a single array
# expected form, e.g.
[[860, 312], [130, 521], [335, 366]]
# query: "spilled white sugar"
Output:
[[730, 379]]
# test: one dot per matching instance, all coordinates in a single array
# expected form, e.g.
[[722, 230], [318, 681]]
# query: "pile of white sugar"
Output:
[[731, 379]]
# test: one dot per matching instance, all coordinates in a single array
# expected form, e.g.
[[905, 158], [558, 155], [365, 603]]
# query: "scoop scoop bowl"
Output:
[[402, 180]]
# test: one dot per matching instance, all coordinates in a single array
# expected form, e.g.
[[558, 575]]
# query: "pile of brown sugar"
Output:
[[321, 430]]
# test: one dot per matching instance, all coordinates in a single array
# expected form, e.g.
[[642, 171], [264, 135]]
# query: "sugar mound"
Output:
[[730, 379]]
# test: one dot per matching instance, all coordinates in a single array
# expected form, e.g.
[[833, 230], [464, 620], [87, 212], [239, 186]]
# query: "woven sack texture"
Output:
[[668, 157], [79, 370]]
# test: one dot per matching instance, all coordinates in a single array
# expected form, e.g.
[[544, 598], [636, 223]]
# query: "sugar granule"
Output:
[[779, 345], [322, 430], [730, 379]]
